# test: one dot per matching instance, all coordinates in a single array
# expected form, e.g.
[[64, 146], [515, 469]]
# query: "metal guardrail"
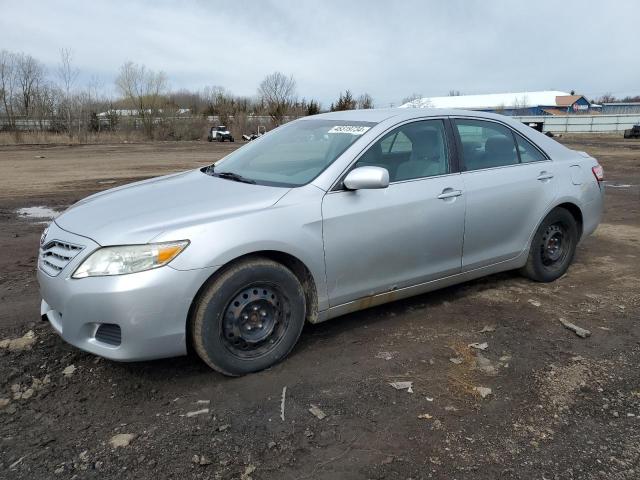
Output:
[[582, 123]]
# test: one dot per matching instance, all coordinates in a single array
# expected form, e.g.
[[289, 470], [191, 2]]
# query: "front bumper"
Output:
[[150, 308]]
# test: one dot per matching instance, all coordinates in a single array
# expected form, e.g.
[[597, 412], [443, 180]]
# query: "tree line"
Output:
[[34, 97]]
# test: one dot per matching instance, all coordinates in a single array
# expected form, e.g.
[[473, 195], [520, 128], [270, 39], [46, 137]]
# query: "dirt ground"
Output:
[[560, 407]]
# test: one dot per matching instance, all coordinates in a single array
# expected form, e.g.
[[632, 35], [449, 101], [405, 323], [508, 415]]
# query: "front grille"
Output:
[[56, 254], [109, 333]]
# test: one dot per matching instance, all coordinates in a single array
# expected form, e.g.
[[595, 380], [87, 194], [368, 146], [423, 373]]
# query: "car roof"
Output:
[[378, 115]]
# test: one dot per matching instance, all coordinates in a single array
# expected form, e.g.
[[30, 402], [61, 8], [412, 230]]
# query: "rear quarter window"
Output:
[[528, 152]]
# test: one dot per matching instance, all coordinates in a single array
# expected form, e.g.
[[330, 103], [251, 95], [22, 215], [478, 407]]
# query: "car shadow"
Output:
[[314, 334]]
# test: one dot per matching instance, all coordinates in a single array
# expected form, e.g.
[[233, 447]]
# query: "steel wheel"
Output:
[[255, 320], [554, 245]]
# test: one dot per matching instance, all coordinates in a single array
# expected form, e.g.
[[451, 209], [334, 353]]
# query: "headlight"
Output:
[[44, 235], [129, 259]]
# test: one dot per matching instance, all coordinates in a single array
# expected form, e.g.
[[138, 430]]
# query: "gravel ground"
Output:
[[560, 406]]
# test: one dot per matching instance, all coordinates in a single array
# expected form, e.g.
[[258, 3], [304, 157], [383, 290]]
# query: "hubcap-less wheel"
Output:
[[553, 244], [255, 321], [553, 247], [248, 317]]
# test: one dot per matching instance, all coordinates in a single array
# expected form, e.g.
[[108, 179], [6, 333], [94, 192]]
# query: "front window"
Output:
[[293, 154], [413, 150]]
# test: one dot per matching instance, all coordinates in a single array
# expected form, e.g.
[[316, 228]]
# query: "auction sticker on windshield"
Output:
[[351, 129]]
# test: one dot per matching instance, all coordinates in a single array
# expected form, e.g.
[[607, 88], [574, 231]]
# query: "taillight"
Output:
[[598, 172]]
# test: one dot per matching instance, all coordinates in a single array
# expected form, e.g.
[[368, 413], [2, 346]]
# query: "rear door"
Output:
[[509, 184], [408, 233]]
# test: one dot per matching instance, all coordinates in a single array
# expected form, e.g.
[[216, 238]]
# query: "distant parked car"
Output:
[[633, 132], [320, 217], [220, 134]]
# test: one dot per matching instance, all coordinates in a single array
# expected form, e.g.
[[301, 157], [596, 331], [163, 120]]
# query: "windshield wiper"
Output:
[[233, 176]]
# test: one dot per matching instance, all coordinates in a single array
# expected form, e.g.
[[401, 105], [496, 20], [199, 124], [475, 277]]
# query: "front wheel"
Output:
[[553, 247], [249, 317]]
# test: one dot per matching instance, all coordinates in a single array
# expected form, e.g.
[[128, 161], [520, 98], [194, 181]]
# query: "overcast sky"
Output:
[[389, 49]]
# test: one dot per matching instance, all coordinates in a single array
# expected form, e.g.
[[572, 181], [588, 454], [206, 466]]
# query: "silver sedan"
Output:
[[322, 216]]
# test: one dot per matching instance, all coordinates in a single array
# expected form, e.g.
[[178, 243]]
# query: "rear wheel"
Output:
[[553, 247], [249, 318]]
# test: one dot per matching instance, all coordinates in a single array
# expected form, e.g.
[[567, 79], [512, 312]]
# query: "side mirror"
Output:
[[363, 178]]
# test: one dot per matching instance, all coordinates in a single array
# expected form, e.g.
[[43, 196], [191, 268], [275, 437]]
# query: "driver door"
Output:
[[408, 233]]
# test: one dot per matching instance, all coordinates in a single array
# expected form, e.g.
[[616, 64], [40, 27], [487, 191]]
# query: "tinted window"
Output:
[[528, 153], [486, 144], [414, 150]]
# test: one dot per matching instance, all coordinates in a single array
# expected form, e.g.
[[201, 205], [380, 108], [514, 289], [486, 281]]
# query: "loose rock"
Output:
[[121, 440], [197, 412], [28, 393], [479, 346], [484, 392], [18, 344], [68, 371], [315, 411], [200, 460], [247, 472], [485, 365], [408, 386], [579, 331]]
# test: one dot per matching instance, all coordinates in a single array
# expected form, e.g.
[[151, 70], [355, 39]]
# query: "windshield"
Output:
[[293, 154]]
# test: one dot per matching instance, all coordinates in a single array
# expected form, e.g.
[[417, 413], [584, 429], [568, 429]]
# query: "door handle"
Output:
[[449, 193], [545, 176]]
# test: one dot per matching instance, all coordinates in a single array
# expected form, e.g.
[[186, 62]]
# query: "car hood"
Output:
[[138, 212]]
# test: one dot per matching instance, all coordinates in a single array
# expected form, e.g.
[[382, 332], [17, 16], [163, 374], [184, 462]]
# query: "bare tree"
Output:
[[44, 105], [606, 98], [30, 76], [411, 98], [67, 75], [8, 82], [454, 93], [520, 105], [278, 93], [144, 91], [364, 101]]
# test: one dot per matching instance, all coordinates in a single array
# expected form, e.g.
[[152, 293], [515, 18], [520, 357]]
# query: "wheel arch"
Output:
[[576, 212], [568, 204], [293, 263]]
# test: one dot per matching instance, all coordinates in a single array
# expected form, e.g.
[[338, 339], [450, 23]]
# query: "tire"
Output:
[[231, 139], [627, 134], [553, 247], [264, 306]]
